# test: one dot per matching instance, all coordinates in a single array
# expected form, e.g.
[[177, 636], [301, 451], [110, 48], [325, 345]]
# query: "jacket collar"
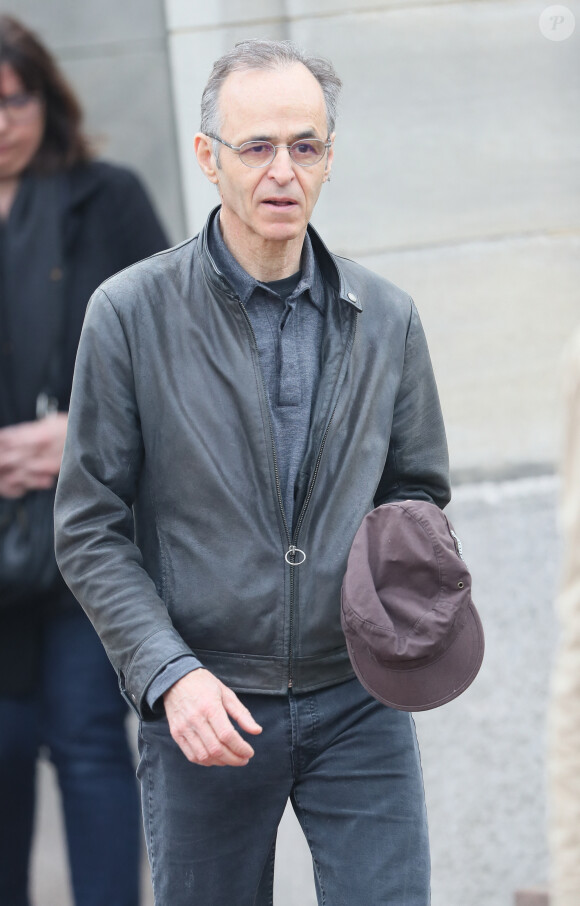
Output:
[[327, 263]]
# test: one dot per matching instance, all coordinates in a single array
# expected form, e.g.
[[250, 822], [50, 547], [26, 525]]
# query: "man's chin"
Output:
[[282, 230]]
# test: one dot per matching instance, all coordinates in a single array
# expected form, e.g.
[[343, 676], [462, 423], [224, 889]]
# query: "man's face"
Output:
[[274, 202]]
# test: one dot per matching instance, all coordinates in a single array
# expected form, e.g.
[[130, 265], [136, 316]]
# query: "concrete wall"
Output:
[[115, 55]]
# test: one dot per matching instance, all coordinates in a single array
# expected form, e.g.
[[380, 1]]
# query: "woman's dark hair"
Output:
[[64, 143]]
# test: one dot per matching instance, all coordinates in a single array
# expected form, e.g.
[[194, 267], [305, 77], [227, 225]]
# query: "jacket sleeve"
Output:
[[93, 513], [417, 464]]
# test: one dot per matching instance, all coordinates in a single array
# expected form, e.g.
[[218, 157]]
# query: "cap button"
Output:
[[352, 297]]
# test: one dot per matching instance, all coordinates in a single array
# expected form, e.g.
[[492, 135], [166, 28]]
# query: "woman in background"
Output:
[[67, 222]]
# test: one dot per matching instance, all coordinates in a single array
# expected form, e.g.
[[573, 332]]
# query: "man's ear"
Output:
[[203, 147], [329, 159]]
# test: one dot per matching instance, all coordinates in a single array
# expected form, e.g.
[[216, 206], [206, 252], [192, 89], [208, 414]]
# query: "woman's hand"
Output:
[[30, 454]]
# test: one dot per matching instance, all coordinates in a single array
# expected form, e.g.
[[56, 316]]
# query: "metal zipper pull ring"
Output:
[[293, 552]]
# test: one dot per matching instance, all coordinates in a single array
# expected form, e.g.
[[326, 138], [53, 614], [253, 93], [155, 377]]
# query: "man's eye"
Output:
[[304, 148]]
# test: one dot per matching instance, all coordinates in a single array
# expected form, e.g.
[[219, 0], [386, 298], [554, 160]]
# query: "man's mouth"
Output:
[[280, 202]]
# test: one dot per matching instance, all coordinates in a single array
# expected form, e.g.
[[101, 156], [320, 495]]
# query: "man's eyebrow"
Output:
[[308, 133]]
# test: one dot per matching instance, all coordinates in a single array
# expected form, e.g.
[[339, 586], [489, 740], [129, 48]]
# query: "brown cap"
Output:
[[413, 634]]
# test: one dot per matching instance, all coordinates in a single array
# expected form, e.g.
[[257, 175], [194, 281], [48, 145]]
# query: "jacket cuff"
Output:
[[170, 674], [152, 655]]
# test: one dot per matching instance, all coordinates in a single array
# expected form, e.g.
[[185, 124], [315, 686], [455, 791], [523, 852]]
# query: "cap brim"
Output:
[[427, 686]]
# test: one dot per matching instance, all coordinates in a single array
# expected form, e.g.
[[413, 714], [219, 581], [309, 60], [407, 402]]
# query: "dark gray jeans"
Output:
[[352, 771]]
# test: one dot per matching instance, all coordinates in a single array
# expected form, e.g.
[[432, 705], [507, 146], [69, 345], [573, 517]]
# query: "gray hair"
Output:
[[265, 54]]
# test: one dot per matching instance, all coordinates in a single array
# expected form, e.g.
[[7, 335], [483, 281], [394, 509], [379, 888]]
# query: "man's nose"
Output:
[[4, 121], [281, 167]]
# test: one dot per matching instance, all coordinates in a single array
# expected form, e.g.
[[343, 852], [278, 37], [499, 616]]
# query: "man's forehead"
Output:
[[272, 97], [290, 73]]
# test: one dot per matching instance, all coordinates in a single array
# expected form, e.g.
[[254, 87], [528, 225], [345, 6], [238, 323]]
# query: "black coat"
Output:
[[108, 224]]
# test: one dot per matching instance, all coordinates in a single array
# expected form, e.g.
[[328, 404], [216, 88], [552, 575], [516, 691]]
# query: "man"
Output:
[[249, 397]]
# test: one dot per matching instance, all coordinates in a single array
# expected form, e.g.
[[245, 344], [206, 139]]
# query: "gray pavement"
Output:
[[483, 754]]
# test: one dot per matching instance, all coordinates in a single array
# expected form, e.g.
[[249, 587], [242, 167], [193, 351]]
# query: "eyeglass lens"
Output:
[[18, 106], [304, 152]]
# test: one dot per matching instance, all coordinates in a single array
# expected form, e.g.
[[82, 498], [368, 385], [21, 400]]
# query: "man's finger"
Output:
[[218, 732], [239, 712], [192, 749], [203, 747]]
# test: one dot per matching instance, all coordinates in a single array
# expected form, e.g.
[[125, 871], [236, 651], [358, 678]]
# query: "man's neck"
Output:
[[264, 259]]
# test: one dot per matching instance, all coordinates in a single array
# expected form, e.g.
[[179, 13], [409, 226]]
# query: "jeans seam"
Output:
[[271, 859], [294, 759], [314, 718], [149, 776], [426, 816]]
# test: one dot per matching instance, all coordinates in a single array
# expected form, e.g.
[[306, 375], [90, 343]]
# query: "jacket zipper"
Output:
[[293, 549], [301, 520]]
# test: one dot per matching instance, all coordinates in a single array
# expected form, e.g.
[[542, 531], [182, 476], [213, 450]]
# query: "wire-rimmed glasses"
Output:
[[305, 151]]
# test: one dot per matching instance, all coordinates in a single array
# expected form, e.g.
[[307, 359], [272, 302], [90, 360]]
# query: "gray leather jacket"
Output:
[[170, 528]]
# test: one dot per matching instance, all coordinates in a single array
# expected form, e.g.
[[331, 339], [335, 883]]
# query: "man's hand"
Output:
[[30, 454], [197, 708]]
